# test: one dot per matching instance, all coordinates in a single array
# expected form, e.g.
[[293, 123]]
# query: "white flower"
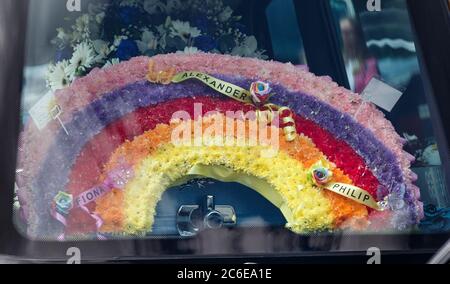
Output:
[[82, 22], [226, 14], [184, 30], [16, 198], [189, 50], [57, 77], [111, 62], [102, 49], [248, 48], [16, 202], [82, 59], [81, 29], [148, 41]]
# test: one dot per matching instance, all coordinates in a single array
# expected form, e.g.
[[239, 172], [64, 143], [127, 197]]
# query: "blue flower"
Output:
[[205, 43], [127, 49], [129, 15]]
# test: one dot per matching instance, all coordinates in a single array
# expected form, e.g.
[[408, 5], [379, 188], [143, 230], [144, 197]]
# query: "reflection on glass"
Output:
[[360, 65], [381, 44], [104, 176], [284, 32]]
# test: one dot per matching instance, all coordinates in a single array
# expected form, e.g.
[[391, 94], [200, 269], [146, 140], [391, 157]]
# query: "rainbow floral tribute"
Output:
[[341, 169]]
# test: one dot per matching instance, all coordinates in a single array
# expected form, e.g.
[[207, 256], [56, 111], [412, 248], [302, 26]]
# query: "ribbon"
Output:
[[321, 176], [98, 222], [225, 174], [258, 95], [92, 194], [225, 88], [288, 123], [63, 202], [355, 193], [161, 77]]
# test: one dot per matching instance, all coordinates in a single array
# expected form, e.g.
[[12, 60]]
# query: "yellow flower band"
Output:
[[307, 208]]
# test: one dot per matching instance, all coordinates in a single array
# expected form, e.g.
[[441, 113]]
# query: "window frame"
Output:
[[292, 247]]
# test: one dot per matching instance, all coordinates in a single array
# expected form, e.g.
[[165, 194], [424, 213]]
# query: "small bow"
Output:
[[160, 77]]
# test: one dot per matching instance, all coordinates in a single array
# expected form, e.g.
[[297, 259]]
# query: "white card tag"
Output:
[[41, 111], [381, 94], [46, 110]]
